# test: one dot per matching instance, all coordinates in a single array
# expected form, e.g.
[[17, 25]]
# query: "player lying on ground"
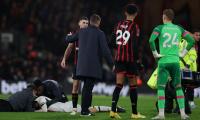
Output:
[[41, 106]]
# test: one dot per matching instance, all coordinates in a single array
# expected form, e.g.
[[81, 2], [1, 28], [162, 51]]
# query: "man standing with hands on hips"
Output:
[[169, 36]]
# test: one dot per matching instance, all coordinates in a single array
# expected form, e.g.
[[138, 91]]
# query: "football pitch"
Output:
[[146, 106]]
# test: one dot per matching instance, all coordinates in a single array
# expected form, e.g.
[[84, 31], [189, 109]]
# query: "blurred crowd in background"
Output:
[[33, 31]]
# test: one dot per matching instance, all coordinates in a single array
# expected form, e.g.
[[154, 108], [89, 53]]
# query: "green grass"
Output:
[[146, 105]]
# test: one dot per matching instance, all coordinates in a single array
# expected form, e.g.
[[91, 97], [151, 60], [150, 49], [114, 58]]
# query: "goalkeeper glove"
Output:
[[156, 55]]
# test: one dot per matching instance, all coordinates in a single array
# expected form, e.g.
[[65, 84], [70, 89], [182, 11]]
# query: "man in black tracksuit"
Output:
[[92, 47], [20, 101]]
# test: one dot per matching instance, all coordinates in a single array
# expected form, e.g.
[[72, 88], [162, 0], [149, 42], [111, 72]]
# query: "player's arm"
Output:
[[71, 37], [190, 40], [68, 51], [153, 37], [67, 54]]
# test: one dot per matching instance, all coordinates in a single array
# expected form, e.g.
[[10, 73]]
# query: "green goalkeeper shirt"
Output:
[[169, 36]]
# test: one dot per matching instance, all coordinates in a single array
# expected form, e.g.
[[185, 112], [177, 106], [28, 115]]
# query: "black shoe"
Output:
[[120, 109], [87, 114]]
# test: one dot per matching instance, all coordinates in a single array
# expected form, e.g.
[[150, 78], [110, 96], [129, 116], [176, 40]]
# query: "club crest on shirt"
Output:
[[124, 26]]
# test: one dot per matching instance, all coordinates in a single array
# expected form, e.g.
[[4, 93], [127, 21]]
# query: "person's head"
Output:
[[38, 87], [83, 22], [131, 10], [196, 35], [168, 15], [95, 20]]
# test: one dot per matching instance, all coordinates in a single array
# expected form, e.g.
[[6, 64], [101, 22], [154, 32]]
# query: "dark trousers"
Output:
[[170, 94], [190, 93], [5, 106], [86, 100]]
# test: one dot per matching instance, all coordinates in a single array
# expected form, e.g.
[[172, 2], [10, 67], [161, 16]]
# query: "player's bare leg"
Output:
[[134, 97], [75, 88], [116, 92]]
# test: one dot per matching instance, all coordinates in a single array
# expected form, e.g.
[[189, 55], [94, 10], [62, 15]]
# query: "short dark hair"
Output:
[[131, 9], [83, 18], [94, 18], [169, 13]]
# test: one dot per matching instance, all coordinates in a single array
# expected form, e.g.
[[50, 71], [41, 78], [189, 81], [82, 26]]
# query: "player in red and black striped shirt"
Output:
[[124, 40], [83, 23]]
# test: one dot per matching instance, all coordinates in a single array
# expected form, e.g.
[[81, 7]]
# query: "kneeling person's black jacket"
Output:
[[54, 91]]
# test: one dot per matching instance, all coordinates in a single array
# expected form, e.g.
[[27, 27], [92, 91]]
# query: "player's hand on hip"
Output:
[[156, 55], [159, 56]]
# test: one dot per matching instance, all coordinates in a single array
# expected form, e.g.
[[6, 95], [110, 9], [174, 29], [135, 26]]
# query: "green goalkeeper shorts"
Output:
[[166, 70]]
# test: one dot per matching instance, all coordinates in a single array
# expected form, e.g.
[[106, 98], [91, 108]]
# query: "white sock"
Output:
[[182, 111], [74, 109], [161, 112], [103, 108]]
